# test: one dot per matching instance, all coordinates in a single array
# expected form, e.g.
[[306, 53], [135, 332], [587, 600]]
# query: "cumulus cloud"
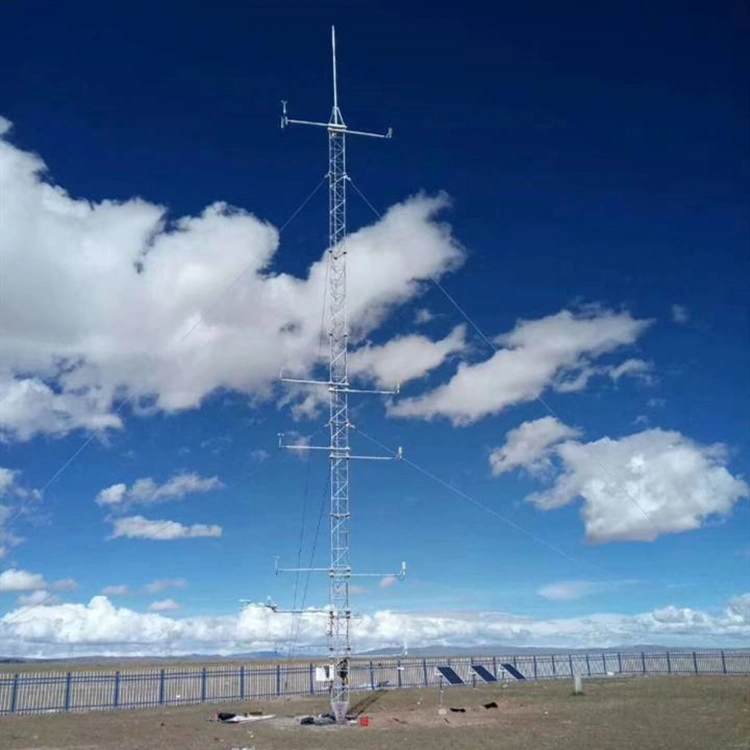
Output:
[[530, 445], [161, 584], [147, 491], [22, 499], [680, 314], [101, 302], [101, 628], [405, 358], [553, 352], [138, 527], [165, 605], [643, 485], [39, 598], [13, 581]]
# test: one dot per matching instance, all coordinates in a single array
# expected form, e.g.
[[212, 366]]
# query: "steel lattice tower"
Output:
[[340, 573]]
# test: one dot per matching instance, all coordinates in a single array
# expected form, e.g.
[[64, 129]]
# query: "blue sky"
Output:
[[576, 178]]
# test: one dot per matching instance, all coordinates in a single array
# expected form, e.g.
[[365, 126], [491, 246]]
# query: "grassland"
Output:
[[643, 713]]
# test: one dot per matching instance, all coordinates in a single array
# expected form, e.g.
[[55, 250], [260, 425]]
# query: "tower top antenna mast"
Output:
[[339, 452], [335, 79]]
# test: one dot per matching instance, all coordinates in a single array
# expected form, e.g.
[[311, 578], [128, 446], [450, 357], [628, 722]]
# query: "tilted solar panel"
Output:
[[450, 674], [484, 673]]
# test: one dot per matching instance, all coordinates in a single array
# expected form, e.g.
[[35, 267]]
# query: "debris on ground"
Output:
[[229, 718], [321, 720], [458, 710], [491, 704]]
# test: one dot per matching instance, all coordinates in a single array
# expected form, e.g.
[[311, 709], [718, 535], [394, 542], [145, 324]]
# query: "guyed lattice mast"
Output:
[[340, 573]]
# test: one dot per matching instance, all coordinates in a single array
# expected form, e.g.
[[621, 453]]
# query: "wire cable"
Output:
[[201, 317], [618, 484]]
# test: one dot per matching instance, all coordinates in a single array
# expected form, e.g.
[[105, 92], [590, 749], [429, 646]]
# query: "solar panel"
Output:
[[513, 671], [484, 673], [450, 674]]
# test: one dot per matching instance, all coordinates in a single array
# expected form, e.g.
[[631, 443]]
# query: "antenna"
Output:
[[339, 452], [335, 82]]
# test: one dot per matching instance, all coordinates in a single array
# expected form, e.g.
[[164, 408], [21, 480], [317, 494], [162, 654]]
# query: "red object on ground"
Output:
[[364, 721]]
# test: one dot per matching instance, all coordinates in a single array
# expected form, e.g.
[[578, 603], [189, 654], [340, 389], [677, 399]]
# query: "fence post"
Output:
[[494, 666], [695, 662], [398, 669], [619, 662], [554, 670], [588, 665], [14, 694], [643, 661], [424, 670], [278, 679], [68, 681], [372, 676], [570, 662], [312, 679], [161, 687], [723, 663], [242, 682], [669, 663], [604, 663], [534, 657], [116, 697]]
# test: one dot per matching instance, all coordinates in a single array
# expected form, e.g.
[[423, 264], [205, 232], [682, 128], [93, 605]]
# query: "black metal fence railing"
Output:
[[102, 690]]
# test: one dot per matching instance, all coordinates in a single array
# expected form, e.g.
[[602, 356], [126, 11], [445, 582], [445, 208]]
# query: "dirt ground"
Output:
[[639, 713]]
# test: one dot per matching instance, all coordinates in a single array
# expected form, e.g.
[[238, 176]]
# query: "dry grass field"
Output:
[[637, 713]]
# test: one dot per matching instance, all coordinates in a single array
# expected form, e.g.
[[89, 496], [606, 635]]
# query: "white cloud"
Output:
[[161, 584], [147, 491], [643, 485], [259, 454], [166, 605], [105, 301], [656, 403], [530, 445], [113, 495], [553, 352], [7, 480], [405, 358], [138, 527], [680, 314], [23, 499], [8, 539], [634, 368], [422, 316], [739, 607], [101, 628], [568, 591], [39, 598], [388, 582], [16, 581], [119, 590], [357, 590]]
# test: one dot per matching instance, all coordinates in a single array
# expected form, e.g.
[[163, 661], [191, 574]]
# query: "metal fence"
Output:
[[132, 688]]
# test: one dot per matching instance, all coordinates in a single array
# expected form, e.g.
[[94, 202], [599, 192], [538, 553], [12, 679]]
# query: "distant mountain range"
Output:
[[427, 651]]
